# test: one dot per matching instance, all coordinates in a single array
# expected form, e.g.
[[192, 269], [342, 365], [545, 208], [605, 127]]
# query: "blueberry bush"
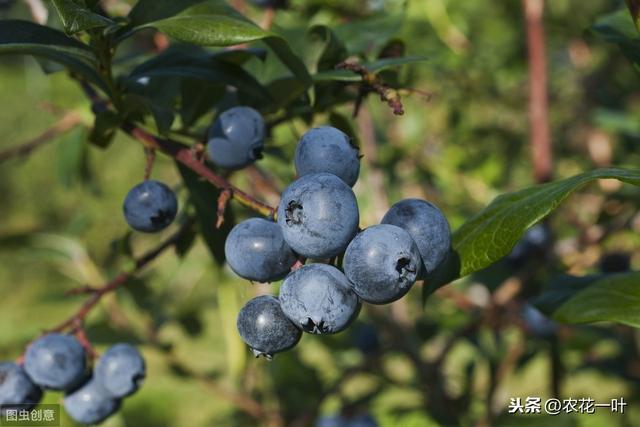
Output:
[[319, 213]]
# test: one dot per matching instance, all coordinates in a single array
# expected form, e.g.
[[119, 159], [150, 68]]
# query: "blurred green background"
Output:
[[61, 227]]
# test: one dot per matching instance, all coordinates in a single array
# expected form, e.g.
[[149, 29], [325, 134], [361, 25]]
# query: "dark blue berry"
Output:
[[121, 370], [382, 263], [150, 206], [16, 388], [255, 250], [236, 138], [327, 149], [90, 403], [318, 215], [427, 226], [56, 362], [265, 328], [319, 299]]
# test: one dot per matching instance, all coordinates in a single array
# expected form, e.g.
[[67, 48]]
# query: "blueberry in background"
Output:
[[427, 226], [90, 403], [382, 263], [615, 262], [255, 250], [536, 322], [327, 149], [362, 421], [236, 138], [16, 388], [120, 370], [365, 338], [264, 327], [534, 245], [318, 214], [331, 421], [55, 361], [319, 299], [150, 206]]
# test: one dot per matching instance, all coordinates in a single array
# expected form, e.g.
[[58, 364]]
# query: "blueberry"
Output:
[[318, 215], [532, 246], [236, 138], [382, 263], [150, 206], [265, 328], [615, 262], [327, 149], [362, 421], [90, 403], [331, 421], [16, 388], [365, 338], [55, 361], [319, 298], [120, 370], [536, 322], [427, 226], [255, 249]]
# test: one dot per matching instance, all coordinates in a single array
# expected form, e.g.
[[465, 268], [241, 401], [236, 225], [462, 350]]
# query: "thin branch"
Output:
[[371, 82], [120, 280], [223, 200], [183, 154], [538, 101], [64, 125]]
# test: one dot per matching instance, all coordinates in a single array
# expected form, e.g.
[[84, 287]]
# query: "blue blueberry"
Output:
[[365, 338], [536, 322], [318, 215], [255, 250], [533, 245], [327, 149], [382, 263], [427, 226], [150, 206], [265, 328], [236, 138], [55, 361], [331, 421], [90, 403], [16, 388], [319, 299], [362, 421], [121, 370]]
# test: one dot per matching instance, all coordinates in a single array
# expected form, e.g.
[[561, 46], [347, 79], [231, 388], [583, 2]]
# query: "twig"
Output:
[[150, 153], [183, 154], [223, 200], [120, 280], [371, 82], [65, 124], [538, 103]]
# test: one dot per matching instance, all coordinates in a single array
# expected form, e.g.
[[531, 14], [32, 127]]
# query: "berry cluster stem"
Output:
[[183, 154]]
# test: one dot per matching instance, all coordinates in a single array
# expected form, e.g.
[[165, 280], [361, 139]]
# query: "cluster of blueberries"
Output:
[[59, 362], [317, 220]]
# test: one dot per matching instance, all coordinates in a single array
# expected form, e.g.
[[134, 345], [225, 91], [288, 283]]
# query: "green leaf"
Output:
[[618, 28], [205, 199], [27, 38], [104, 129], [214, 23], [325, 50], [492, 233], [615, 298], [634, 9], [76, 16], [560, 289], [374, 67]]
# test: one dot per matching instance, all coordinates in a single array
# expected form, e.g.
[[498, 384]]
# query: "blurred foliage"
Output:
[[454, 361]]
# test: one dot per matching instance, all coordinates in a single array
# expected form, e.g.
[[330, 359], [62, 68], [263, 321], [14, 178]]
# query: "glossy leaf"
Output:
[[493, 232], [618, 28], [214, 23], [205, 200], [76, 16], [614, 298], [27, 38]]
